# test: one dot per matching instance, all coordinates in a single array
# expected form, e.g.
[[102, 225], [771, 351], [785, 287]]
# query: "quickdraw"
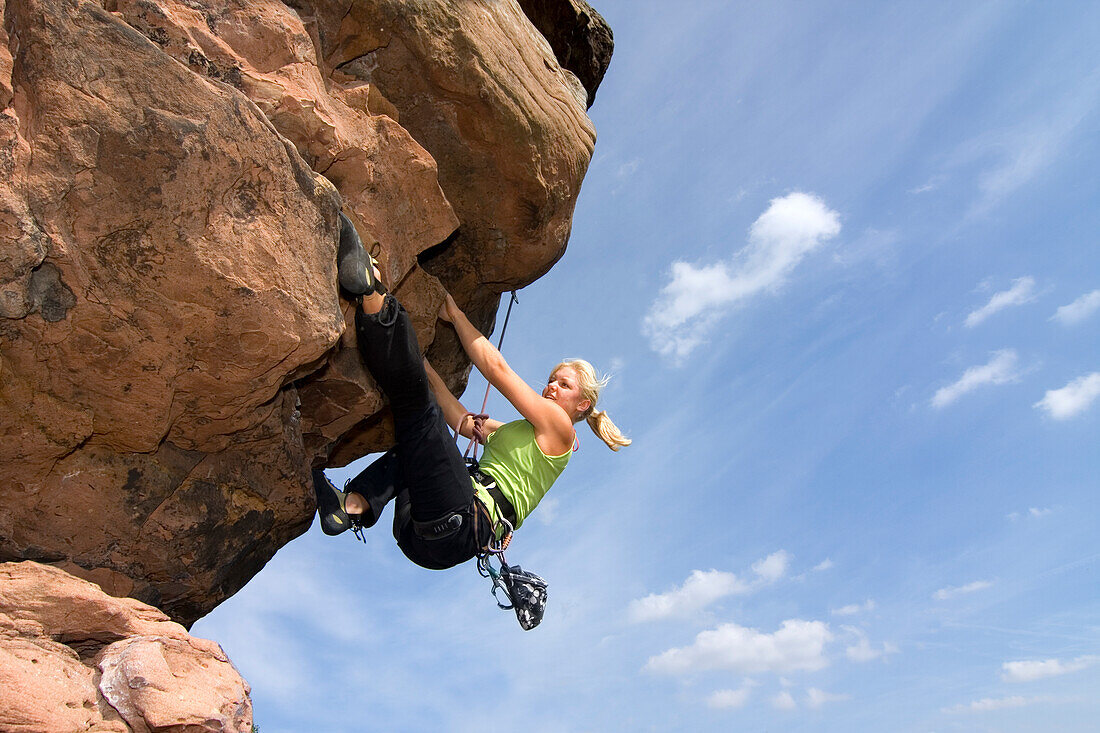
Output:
[[486, 570]]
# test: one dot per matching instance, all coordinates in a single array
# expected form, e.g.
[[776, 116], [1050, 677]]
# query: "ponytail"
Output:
[[591, 383], [606, 430]]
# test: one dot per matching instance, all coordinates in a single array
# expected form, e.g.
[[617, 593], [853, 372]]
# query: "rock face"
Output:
[[580, 37], [174, 352], [482, 91], [73, 658]]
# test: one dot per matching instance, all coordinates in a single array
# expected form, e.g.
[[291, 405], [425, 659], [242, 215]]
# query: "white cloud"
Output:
[[931, 185], [1022, 291], [1000, 703], [629, 168], [854, 608], [1034, 512], [862, 651], [824, 565], [1073, 399], [696, 297], [815, 698], [548, 510], [796, 645], [703, 588], [1026, 671], [699, 590], [1001, 369], [783, 701], [1025, 150], [772, 567], [1078, 310], [944, 594], [878, 247], [723, 699]]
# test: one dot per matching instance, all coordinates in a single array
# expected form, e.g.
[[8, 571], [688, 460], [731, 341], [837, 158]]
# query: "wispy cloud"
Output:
[[796, 645], [267, 640], [944, 594], [825, 564], [988, 704], [697, 296], [1073, 399], [1024, 151], [628, 168], [1026, 671], [862, 650], [548, 510], [772, 567], [1078, 310], [725, 699], [1022, 291], [1001, 369], [1034, 512], [815, 698], [930, 185], [854, 608], [784, 701]]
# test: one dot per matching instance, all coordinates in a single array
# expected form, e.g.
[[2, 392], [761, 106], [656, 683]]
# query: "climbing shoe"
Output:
[[330, 505], [527, 592], [354, 265]]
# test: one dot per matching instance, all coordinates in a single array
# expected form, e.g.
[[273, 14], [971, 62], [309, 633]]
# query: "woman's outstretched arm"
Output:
[[454, 411], [553, 428]]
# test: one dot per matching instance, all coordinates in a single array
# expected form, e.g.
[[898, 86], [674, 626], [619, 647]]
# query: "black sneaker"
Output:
[[330, 505], [354, 265]]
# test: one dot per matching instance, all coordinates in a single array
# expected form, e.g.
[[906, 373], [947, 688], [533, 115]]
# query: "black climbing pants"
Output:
[[425, 470]]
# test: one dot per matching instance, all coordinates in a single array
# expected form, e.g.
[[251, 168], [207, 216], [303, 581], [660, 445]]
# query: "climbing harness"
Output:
[[524, 592]]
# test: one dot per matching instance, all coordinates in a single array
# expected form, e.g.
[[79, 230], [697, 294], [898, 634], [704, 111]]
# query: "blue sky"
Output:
[[842, 261]]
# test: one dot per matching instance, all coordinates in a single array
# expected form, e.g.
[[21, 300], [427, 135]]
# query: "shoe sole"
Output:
[[354, 266]]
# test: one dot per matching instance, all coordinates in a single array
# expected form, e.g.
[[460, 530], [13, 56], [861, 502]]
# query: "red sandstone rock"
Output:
[[480, 88], [580, 37], [174, 353], [73, 658]]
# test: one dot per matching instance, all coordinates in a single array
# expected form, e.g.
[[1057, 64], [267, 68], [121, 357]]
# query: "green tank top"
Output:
[[522, 471]]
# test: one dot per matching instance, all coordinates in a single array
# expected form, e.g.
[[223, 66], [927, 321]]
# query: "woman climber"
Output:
[[444, 515]]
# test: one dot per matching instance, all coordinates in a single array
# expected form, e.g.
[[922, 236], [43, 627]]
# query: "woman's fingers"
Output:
[[448, 309]]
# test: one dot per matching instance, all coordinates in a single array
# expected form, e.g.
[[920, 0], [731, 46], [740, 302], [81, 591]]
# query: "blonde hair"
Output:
[[590, 384]]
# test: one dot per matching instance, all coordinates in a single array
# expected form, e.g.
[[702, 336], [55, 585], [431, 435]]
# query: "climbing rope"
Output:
[[479, 435]]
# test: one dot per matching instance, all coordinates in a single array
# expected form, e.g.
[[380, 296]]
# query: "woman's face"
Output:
[[564, 389]]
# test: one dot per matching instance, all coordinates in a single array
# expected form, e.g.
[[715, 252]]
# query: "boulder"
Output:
[[581, 38], [480, 88], [74, 658]]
